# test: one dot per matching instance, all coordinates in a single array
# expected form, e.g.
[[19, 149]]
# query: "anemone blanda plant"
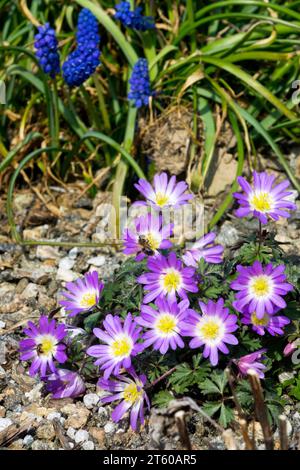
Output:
[[127, 348]]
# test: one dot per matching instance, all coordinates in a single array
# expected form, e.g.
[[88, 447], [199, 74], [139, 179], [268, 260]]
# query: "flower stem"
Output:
[[162, 377]]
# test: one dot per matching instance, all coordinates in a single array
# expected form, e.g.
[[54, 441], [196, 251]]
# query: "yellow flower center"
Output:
[[132, 393], [161, 199], [47, 346], [264, 321], [88, 300], [152, 242], [121, 347], [261, 286], [262, 202], [210, 330], [166, 324], [171, 280]]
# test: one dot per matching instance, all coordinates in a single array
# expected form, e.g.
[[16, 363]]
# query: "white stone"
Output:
[[4, 423], [53, 415], [97, 260], [90, 400], [102, 412], [2, 324], [66, 275], [35, 394], [73, 253], [66, 263], [30, 291], [88, 445], [28, 440], [47, 252], [71, 433], [109, 428], [81, 436]]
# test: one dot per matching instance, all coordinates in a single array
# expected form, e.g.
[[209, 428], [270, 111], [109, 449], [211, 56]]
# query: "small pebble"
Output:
[[28, 440], [97, 261], [53, 415], [4, 423], [90, 400], [2, 324], [88, 445], [109, 428], [81, 436], [71, 433]]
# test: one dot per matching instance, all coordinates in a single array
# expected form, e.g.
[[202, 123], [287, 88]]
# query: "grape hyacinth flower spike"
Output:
[[140, 88], [264, 199], [131, 392], [43, 346], [83, 62], [83, 294], [87, 29], [133, 19], [46, 50]]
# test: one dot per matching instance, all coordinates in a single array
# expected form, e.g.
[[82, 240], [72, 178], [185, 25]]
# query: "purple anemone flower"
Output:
[[204, 248], [260, 288], [164, 324], [212, 329], [149, 236], [121, 343], [167, 277], [130, 390], [251, 361], [43, 345], [165, 193], [64, 384], [274, 324], [83, 294], [264, 199]]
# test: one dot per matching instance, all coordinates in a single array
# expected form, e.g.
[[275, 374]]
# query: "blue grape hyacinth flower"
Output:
[[140, 89], [133, 18], [46, 50], [83, 62], [87, 28], [80, 65]]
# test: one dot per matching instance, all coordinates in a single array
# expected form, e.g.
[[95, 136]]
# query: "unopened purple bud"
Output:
[[65, 383]]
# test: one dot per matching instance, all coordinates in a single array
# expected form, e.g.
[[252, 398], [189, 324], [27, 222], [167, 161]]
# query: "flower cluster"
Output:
[[169, 318], [140, 89], [46, 50], [133, 19], [83, 62], [87, 29]]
